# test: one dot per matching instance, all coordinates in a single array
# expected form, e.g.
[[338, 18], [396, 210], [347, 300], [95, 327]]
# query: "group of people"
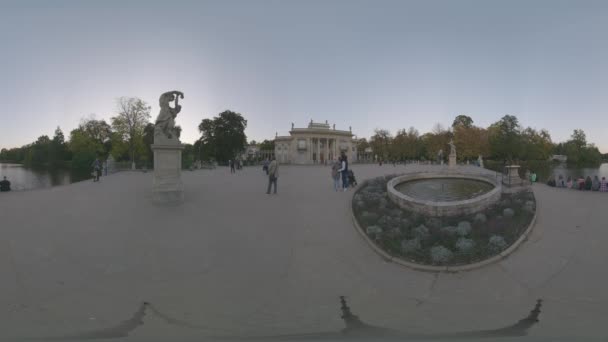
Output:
[[340, 170], [580, 183], [342, 176], [5, 185]]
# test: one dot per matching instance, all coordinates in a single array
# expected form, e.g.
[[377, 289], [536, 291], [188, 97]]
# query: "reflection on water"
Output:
[[444, 189], [26, 178]]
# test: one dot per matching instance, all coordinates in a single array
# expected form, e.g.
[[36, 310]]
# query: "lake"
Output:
[[26, 178]]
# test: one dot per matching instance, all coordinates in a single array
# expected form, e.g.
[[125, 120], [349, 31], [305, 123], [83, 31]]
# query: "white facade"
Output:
[[315, 144]]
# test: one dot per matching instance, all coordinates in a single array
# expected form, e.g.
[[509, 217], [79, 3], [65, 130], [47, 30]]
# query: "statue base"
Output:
[[452, 161], [168, 186]]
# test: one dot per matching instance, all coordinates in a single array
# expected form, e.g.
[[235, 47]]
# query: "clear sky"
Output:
[[365, 64]]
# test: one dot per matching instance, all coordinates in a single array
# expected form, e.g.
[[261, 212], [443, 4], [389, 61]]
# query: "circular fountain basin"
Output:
[[444, 194]]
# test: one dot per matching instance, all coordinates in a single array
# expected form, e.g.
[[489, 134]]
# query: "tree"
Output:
[[148, 140], [84, 149], [58, 151], [133, 116], [224, 135], [435, 141], [579, 138], [579, 152], [505, 139], [536, 145], [471, 142], [267, 145], [380, 143], [462, 120]]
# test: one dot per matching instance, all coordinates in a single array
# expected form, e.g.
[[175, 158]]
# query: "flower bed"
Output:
[[440, 241]]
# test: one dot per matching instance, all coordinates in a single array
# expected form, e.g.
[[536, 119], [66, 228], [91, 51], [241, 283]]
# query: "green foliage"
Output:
[[505, 138], [130, 123], [462, 120], [188, 156], [223, 137], [267, 145]]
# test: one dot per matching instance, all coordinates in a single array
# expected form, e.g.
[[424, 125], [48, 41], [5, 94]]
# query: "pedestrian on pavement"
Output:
[[344, 172], [5, 185], [96, 169], [231, 163], [335, 175], [273, 175], [265, 166]]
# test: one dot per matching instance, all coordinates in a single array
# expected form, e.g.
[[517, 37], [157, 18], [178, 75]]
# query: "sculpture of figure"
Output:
[[452, 147], [165, 122], [292, 125]]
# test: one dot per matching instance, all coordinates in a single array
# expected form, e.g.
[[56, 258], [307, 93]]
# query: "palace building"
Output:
[[316, 144]]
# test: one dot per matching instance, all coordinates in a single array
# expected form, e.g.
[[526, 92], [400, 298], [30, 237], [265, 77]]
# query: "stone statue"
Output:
[[164, 127], [334, 127], [292, 125], [452, 157]]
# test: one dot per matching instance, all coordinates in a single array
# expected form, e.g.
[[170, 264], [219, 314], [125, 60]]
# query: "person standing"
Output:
[[265, 166], [231, 163], [96, 170], [335, 175], [5, 185], [273, 175], [344, 172]]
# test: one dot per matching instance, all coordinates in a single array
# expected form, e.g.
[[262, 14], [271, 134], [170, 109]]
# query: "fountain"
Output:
[[449, 192]]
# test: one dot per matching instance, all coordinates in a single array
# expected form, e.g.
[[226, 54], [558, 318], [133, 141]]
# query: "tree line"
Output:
[[504, 140], [128, 137]]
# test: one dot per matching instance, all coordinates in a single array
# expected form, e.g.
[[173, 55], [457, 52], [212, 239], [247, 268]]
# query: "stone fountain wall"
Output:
[[451, 208]]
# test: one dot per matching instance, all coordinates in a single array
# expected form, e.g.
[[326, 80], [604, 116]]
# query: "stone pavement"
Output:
[[233, 260]]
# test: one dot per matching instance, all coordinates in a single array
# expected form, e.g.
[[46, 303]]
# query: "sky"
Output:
[[363, 64]]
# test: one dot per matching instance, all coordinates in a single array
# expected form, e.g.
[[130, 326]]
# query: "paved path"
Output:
[[233, 259]]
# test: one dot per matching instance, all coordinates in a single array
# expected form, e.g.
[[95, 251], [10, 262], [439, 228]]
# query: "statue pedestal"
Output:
[[168, 186], [452, 161]]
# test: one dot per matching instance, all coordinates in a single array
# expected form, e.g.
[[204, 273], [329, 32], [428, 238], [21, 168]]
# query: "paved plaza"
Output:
[[232, 260]]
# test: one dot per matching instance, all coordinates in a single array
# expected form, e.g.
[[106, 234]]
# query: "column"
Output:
[[326, 149], [335, 149], [308, 148], [318, 149]]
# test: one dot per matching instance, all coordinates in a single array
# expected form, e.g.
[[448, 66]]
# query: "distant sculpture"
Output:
[[452, 157], [334, 127], [292, 125], [480, 161], [452, 147], [165, 122]]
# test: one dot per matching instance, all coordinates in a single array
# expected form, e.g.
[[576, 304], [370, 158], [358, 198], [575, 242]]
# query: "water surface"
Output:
[[444, 189], [26, 178]]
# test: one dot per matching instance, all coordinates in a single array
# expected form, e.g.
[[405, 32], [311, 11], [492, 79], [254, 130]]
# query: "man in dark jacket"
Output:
[[5, 185]]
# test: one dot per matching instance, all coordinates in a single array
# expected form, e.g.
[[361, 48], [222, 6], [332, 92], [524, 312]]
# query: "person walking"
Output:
[[335, 175], [344, 172], [273, 175], [231, 163], [96, 170]]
